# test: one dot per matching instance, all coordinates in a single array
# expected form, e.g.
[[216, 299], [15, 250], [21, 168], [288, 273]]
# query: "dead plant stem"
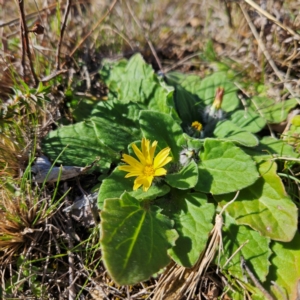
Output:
[[62, 31], [25, 42], [255, 281]]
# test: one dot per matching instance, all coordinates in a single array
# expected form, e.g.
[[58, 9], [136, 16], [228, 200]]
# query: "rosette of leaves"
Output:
[[143, 231]]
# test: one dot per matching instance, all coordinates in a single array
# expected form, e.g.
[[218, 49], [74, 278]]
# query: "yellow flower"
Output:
[[148, 166]]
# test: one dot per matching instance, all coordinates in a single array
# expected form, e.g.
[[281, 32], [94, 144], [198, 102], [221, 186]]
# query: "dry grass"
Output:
[[170, 35]]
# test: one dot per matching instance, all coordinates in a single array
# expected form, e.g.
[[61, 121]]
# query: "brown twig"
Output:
[[25, 42], [255, 281], [92, 30], [62, 30], [270, 17]]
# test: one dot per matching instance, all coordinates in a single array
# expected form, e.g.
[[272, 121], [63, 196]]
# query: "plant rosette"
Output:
[[184, 146]]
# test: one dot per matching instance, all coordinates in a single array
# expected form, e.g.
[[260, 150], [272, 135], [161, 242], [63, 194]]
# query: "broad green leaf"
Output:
[[272, 111], [135, 238], [162, 100], [138, 83], [193, 143], [224, 168], [265, 206], [193, 221], [113, 71], [208, 86], [248, 120], [292, 136], [285, 269], [296, 121], [85, 141], [115, 185], [186, 103], [256, 251], [136, 90], [134, 68], [137, 68], [229, 131], [83, 109], [133, 80], [186, 178], [269, 148], [116, 112], [162, 128]]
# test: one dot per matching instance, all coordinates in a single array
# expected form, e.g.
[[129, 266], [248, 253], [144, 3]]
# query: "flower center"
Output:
[[197, 126], [148, 170]]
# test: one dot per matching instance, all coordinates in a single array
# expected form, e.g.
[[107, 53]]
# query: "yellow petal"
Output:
[[152, 150], [145, 146], [136, 185], [160, 172], [139, 154], [132, 174], [146, 151], [132, 161], [138, 182], [162, 158]]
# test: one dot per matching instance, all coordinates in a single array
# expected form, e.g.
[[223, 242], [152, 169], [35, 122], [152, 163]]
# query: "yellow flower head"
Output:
[[148, 166]]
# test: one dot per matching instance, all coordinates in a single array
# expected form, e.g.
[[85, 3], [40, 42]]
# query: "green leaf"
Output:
[[256, 251], [193, 221], [269, 148], [208, 86], [135, 239], [137, 82], [137, 68], [113, 71], [229, 131], [285, 269], [136, 90], [115, 185], [292, 136], [90, 139], [296, 121], [162, 100], [224, 168], [83, 108], [248, 120], [116, 112], [265, 206], [272, 111], [162, 128], [186, 178], [130, 81], [186, 101]]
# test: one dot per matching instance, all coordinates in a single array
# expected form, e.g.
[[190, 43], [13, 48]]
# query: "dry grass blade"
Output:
[[21, 215], [93, 29], [270, 17], [263, 48]]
